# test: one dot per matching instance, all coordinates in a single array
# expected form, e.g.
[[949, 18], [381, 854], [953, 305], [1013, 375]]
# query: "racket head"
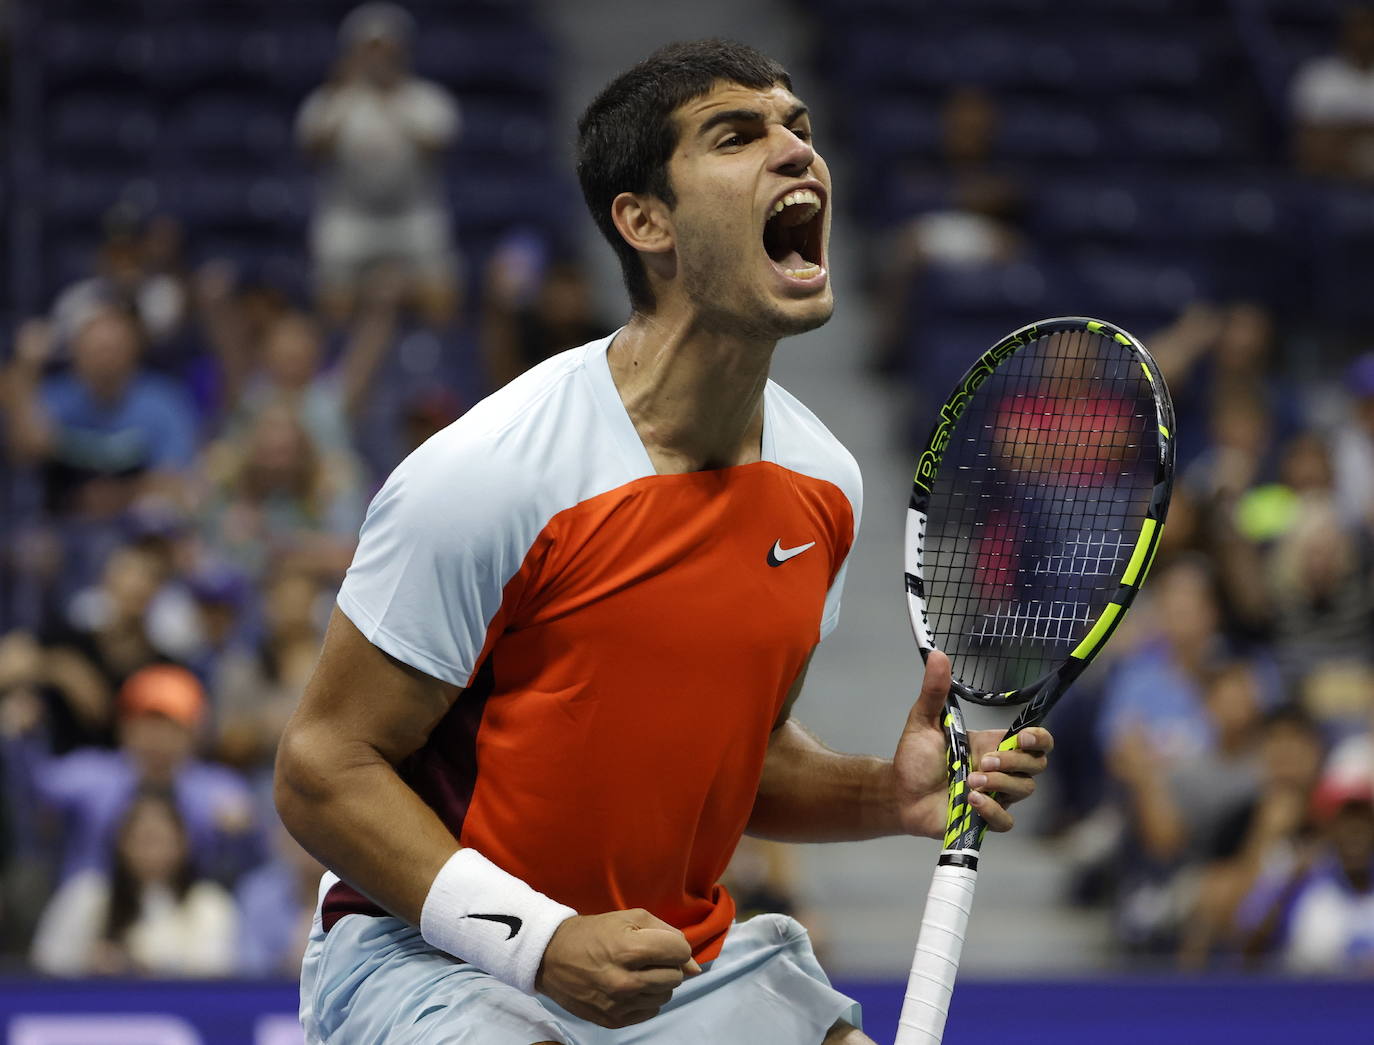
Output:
[[1037, 507]]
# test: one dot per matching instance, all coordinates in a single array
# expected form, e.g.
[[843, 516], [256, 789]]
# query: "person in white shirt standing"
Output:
[[377, 133], [1332, 98]]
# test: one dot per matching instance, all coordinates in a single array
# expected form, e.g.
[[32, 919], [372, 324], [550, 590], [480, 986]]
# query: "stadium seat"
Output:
[[102, 124]]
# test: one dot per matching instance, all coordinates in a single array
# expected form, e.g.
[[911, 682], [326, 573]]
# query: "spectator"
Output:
[[1157, 689], [1352, 447], [1319, 918], [138, 271], [377, 132], [1176, 809], [1332, 99], [1220, 360], [277, 904], [258, 688], [534, 311], [278, 356], [969, 212], [102, 643], [1261, 842], [162, 708], [1322, 582], [108, 431], [275, 500], [149, 914]]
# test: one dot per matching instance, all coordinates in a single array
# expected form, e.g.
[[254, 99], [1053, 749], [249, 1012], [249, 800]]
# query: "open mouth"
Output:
[[793, 234]]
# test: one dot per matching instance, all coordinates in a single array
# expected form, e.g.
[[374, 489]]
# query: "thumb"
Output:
[[930, 705]]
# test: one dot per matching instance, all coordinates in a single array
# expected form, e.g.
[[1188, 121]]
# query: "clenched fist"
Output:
[[615, 969]]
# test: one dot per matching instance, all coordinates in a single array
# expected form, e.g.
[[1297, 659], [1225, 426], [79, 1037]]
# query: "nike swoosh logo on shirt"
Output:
[[777, 555], [511, 922]]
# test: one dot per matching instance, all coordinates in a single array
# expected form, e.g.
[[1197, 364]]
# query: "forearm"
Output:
[[349, 808], [809, 793], [26, 425], [1159, 821]]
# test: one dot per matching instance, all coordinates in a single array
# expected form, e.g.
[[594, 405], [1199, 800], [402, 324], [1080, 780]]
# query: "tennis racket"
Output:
[[1035, 515]]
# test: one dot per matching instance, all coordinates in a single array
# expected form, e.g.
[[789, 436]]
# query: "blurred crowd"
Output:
[[1216, 773], [188, 453], [1218, 778]]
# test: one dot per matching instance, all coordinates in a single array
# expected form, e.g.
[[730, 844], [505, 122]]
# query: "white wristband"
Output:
[[478, 912]]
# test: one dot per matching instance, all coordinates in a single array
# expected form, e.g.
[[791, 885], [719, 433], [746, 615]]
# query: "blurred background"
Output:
[[257, 251]]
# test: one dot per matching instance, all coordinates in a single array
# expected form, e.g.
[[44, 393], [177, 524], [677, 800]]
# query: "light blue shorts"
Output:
[[375, 980]]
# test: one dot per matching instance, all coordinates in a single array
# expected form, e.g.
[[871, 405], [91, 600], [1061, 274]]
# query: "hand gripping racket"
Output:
[[1035, 514]]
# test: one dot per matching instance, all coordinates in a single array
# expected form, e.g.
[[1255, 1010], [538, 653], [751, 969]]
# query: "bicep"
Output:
[[360, 694]]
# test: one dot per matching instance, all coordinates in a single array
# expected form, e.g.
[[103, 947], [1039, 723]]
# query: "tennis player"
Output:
[[558, 684]]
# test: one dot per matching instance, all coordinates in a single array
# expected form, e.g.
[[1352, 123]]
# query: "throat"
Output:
[[696, 404]]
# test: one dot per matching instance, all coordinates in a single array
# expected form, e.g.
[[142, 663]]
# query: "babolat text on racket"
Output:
[[1035, 515]]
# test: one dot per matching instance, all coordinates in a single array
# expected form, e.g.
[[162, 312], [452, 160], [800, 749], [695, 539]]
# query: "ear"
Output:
[[644, 221]]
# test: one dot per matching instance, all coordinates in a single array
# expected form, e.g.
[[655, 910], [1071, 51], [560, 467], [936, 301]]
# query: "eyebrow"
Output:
[[748, 116]]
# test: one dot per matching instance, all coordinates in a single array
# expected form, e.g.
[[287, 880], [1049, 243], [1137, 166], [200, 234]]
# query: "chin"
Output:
[[797, 317]]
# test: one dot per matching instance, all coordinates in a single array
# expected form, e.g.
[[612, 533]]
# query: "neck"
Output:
[[695, 395]]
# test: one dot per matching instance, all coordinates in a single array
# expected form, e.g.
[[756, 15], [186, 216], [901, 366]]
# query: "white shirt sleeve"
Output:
[[431, 112], [70, 926], [440, 541], [209, 919], [830, 618], [319, 115]]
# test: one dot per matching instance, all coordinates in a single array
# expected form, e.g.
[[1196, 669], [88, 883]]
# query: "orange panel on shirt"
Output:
[[639, 661]]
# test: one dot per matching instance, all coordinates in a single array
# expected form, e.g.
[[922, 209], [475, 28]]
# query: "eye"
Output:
[[732, 141], [804, 133]]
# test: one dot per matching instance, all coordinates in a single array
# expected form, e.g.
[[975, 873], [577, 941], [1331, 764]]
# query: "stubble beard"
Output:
[[718, 291]]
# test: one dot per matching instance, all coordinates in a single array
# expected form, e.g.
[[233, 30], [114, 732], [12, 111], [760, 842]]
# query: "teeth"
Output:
[[804, 273], [800, 196]]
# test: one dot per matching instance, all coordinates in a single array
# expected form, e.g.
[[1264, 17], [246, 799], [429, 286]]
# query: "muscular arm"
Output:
[[337, 789], [338, 792], [809, 793]]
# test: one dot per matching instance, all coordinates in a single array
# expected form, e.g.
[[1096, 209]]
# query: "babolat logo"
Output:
[[949, 416]]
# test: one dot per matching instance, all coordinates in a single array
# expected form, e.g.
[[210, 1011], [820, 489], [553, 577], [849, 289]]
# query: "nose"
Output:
[[793, 156]]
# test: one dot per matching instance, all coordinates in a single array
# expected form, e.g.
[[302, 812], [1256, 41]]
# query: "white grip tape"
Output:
[[936, 963]]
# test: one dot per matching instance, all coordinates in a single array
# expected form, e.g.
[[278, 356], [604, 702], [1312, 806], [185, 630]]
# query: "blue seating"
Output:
[[103, 124], [78, 53], [230, 125]]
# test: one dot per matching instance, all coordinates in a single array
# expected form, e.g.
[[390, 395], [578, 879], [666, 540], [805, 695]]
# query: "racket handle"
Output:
[[933, 969]]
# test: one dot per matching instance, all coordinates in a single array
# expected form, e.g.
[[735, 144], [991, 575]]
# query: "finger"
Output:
[[930, 705], [646, 947], [1036, 739], [659, 978], [997, 818], [1014, 762], [1007, 787], [691, 968]]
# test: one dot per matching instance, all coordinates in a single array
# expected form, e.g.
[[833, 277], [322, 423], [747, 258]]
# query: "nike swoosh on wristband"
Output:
[[511, 922], [777, 555]]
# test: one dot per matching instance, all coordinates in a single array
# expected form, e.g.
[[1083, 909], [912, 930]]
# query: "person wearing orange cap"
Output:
[[161, 710]]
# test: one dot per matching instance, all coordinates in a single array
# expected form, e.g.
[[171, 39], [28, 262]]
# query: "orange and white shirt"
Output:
[[625, 639]]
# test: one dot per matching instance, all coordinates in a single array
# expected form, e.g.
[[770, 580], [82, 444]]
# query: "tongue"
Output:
[[794, 260]]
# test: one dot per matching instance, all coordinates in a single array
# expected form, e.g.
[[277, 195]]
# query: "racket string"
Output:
[[1037, 506]]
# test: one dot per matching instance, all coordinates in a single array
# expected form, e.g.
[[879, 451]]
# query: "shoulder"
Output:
[[428, 93], [62, 391], [802, 443], [88, 890], [209, 894], [523, 446], [92, 763], [155, 390]]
